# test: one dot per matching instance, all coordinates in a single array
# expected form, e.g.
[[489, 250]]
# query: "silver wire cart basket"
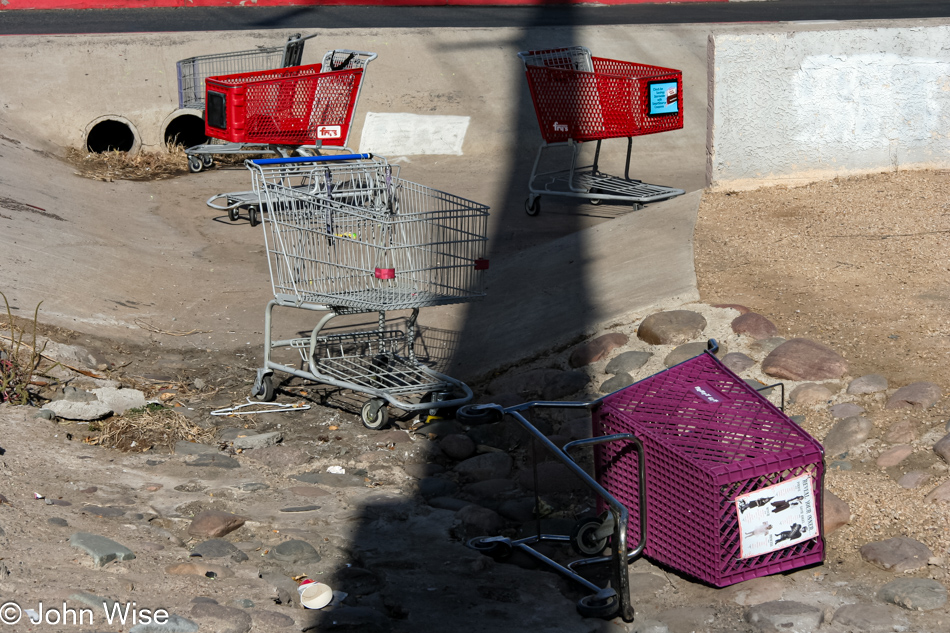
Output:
[[346, 235]]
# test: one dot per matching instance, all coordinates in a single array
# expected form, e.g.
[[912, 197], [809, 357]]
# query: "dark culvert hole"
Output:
[[186, 130], [109, 135]]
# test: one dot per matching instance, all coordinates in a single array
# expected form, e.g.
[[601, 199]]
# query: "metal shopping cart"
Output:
[[346, 235], [281, 111], [579, 98], [724, 486]]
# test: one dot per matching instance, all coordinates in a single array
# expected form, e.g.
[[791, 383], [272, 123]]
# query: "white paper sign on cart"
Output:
[[777, 517]]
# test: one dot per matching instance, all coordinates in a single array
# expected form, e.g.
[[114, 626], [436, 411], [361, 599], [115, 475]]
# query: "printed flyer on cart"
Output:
[[777, 517]]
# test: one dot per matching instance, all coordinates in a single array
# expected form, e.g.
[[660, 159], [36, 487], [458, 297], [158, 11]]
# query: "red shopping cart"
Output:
[[580, 98], [283, 111], [697, 469]]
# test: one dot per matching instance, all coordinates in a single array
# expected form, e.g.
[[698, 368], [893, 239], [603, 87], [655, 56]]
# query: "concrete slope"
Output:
[[552, 293]]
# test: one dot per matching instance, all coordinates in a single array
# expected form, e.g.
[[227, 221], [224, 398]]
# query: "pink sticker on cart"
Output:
[[329, 131], [707, 393]]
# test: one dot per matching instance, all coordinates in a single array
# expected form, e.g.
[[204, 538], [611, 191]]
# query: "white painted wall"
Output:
[[799, 106]]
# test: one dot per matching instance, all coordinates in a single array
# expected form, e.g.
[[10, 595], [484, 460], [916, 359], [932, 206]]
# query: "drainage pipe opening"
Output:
[[186, 130], [110, 135]]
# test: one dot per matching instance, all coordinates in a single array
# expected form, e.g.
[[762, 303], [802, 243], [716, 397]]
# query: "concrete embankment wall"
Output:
[[795, 106]]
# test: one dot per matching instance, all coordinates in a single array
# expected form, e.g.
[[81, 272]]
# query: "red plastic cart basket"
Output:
[[611, 101], [709, 441], [579, 98], [288, 106]]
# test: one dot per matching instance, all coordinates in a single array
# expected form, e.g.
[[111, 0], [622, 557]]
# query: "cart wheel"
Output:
[[595, 201], [499, 550], [264, 392], [532, 205], [234, 214], [375, 415], [599, 606], [583, 539], [470, 416], [207, 161], [253, 216], [194, 164]]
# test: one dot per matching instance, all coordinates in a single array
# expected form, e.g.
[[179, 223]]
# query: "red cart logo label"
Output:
[[329, 131], [560, 127]]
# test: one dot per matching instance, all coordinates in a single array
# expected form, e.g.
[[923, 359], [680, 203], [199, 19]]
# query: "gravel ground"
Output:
[[857, 264]]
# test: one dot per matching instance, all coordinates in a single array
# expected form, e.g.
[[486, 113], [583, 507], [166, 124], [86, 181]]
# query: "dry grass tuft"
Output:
[[152, 426], [110, 166]]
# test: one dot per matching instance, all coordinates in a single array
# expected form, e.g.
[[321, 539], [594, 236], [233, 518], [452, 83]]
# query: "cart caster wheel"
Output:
[[234, 214], [532, 205], [253, 216], [604, 605], [374, 414], [207, 161], [583, 537], [498, 550], [194, 164], [471, 416], [595, 201], [263, 390]]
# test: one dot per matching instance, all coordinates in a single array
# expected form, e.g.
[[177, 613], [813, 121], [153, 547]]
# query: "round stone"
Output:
[[672, 327]]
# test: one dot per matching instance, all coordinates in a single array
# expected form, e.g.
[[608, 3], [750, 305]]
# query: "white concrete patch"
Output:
[[867, 101], [396, 133]]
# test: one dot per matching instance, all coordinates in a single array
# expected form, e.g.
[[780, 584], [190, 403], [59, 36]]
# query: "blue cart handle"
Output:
[[309, 159]]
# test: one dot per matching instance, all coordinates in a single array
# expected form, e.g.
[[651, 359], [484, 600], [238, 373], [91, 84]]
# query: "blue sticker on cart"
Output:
[[664, 97]]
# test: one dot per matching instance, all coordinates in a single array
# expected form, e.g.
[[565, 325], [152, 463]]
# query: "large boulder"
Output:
[[804, 359]]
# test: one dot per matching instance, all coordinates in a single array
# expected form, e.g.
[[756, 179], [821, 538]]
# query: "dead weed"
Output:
[[152, 426], [115, 165]]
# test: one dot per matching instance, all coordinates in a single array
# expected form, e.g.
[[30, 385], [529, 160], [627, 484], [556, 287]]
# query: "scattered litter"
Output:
[[270, 407], [314, 595], [37, 495], [336, 470]]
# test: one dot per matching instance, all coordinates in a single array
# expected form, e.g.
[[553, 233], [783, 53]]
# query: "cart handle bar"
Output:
[[309, 159]]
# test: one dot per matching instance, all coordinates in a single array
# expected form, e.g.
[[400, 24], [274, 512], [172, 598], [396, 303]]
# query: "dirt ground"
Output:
[[860, 265]]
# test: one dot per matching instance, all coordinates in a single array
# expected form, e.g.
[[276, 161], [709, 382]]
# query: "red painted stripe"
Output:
[[150, 4]]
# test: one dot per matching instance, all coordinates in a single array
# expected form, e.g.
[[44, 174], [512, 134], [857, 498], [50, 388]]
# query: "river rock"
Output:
[[672, 327], [616, 382], [552, 477], [457, 446], [894, 455], [914, 594], [83, 411], [627, 362], [564, 384], [754, 326], [484, 467], [809, 394], [804, 359], [835, 512], [899, 554], [940, 494], [868, 618], [917, 395], [101, 549], [845, 410], [686, 351], [214, 523], [901, 432], [295, 552], [942, 448], [257, 440], [120, 400], [219, 548], [478, 520], [279, 457], [871, 383], [221, 619], [846, 434], [596, 349], [914, 479], [785, 615], [737, 362]]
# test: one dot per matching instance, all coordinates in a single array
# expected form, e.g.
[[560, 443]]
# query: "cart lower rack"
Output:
[[724, 486], [579, 98]]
